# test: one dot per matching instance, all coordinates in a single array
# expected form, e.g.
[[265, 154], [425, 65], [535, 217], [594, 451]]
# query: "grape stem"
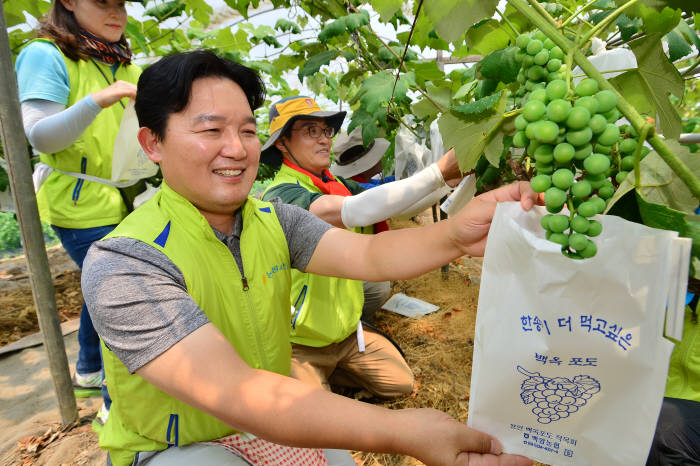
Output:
[[622, 70], [578, 12], [510, 25], [638, 153], [540, 21], [512, 113], [606, 22]]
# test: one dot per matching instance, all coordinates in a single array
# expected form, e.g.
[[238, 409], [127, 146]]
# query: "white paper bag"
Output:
[[570, 362], [129, 161], [408, 306]]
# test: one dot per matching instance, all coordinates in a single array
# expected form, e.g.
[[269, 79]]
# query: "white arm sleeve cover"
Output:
[[51, 127], [429, 200], [387, 200]]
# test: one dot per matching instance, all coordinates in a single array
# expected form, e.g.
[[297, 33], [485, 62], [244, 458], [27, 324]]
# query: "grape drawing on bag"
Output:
[[556, 398]]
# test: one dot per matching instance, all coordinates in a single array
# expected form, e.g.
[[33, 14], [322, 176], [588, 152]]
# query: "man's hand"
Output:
[[449, 168], [435, 438], [114, 93], [471, 225]]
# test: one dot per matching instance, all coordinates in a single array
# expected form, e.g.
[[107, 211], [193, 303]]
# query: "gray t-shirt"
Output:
[[138, 298]]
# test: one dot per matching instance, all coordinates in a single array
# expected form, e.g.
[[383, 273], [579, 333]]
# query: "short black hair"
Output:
[[164, 87]]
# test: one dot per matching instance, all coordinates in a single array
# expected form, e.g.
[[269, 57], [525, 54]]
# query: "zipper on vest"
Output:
[[80, 182], [254, 318], [298, 305]]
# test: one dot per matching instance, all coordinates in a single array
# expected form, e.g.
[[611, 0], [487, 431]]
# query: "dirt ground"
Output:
[[438, 348]]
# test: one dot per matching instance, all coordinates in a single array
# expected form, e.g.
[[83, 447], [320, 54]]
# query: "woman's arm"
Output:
[[51, 127]]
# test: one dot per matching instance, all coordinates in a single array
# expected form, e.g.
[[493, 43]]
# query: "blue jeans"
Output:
[[76, 242]]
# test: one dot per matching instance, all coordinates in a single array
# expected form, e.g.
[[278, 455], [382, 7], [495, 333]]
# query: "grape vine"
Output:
[[556, 398]]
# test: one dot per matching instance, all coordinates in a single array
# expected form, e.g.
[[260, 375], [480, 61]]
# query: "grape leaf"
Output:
[[14, 11], [479, 106], [628, 26], [688, 33], [368, 123], [452, 17], [166, 10], [426, 71], [659, 21], [500, 65], [134, 33], [332, 29], [287, 62], [356, 20], [351, 76], [424, 35], [677, 46], [225, 40], [315, 63], [605, 4], [262, 66], [470, 138], [285, 25], [376, 90], [464, 90], [425, 109], [652, 82], [659, 184], [386, 8], [486, 37], [599, 16]]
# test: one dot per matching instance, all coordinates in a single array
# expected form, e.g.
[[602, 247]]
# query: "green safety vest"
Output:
[[684, 368], [70, 202], [325, 310], [252, 317]]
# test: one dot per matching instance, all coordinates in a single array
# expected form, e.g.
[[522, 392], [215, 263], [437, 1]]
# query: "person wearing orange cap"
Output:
[[330, 345]]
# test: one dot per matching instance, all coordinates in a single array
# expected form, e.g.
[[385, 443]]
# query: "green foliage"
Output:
[[9, 232], [345, 24], [285, 25], [379, 89], [314, 63], [10, 238], [451, 17], [500, 65], [648, 87], [487, 36], [474, 136], [658, 183], [166, 10], [4, 179], [386, 8], [480, 106]]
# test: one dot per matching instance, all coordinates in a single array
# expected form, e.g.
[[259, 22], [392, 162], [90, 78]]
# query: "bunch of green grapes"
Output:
[[580, 154]]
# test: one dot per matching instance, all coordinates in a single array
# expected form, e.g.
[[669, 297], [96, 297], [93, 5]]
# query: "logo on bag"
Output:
[[556, 398]]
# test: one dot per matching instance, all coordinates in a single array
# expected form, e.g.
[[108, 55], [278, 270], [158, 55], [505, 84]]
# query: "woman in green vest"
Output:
[[74, 81]]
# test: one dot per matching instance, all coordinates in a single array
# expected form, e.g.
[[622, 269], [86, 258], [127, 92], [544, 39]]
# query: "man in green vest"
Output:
[[330, 344], [190, 296]]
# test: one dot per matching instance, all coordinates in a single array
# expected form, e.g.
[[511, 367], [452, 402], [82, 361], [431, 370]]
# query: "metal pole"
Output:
[[20, 174], [445, 269]]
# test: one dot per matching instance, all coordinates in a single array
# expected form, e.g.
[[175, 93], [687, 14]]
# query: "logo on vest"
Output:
[[277, 268]]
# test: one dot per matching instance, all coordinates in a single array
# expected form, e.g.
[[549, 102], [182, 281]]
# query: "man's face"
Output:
[[210, 151], [312, 154]]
